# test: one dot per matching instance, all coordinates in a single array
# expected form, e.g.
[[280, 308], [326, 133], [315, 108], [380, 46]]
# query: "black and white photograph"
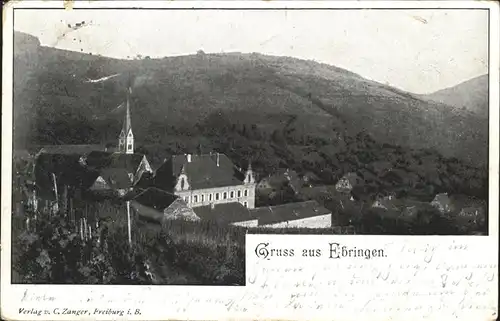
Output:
[[148, 143]]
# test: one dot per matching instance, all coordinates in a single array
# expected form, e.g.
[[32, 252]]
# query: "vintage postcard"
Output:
[[250, 160]]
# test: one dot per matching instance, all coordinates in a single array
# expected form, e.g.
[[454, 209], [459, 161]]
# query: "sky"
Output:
[[420, 51]]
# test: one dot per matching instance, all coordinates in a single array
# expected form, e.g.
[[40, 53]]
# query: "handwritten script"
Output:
[[445, 279]]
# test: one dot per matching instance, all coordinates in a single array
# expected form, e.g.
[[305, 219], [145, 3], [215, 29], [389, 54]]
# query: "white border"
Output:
[[10, 293]]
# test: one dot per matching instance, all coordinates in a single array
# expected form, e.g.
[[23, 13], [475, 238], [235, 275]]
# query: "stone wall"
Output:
[[250, 223], [323, 221]]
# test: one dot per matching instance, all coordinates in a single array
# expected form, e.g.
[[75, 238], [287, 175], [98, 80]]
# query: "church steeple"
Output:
[[249, 177], [126, 139]]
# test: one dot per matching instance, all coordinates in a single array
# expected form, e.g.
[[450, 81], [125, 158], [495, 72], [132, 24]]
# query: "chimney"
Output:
[[188, 158], [217, 159]]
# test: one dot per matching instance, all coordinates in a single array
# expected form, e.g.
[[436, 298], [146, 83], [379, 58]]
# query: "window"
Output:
[[129, 146], [216, 196], [202, 197], [239, 193], [195, 199], [186, 199], [246, 204], [210, 196], [225, 195], [246, 192], [232, 194], [182, 183]]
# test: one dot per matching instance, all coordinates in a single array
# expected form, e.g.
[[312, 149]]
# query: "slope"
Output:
[[253, 88], [471, 95]]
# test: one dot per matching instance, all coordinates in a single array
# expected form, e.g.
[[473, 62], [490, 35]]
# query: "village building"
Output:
[[403, 209], [227, 214], [309, 214], [292, 215], [154, 204], [113, 173], [119, 173], [279, 180], [347, 182], [461, 207], [201, 180], [61, 170], [442, 202], [126, 137]]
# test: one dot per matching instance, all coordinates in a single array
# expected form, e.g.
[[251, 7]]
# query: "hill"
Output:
[[186, 89], [277, 111], [471, 95]]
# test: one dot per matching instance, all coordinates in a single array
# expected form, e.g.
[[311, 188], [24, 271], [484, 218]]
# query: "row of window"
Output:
[[216, 196]]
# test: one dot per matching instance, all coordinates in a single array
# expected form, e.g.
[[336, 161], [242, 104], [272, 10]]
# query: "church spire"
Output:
[[126, 139], [127, 124]]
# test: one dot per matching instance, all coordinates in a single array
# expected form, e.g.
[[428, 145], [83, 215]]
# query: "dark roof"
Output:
[[288, 212], [67, 169], [117, 178], [99, 160], [202, 171], [283, 177], [71, 149], [155, 198], [224, 213]]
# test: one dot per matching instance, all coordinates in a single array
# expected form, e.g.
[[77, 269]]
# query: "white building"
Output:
[[202, 180]]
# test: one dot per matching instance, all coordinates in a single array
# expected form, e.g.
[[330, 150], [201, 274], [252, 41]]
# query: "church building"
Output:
[[207, 180], [121, 170], [126, 138]]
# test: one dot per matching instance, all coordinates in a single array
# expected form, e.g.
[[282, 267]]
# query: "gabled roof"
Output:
[[224, 213], [117, 178], [71, 149], [202, 171], [99, 160], [288, 212], [155, 198]]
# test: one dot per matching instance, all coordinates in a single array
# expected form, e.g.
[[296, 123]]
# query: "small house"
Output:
[[442, 203], [157, 205], [348, 182], [118, 173], [459, 205]]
